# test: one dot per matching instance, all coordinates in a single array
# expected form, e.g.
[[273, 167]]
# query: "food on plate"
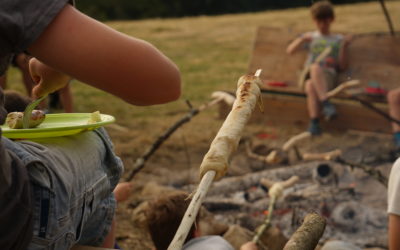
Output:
[[94, 117], [14, 119]]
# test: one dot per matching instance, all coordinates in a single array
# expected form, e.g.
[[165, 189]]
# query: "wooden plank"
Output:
[[373, 57]]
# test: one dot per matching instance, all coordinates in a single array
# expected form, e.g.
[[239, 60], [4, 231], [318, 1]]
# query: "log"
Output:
[[308, 234], [326, 156], [294, 140]]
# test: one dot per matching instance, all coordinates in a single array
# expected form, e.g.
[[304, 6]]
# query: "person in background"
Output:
[[322, 75]]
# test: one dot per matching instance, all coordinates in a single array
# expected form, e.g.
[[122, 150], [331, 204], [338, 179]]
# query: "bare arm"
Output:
[[93, 53], [394, 229], [343, 52], [297, 43]]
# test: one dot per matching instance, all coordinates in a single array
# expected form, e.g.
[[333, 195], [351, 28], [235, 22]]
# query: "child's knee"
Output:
[[394, 97], [308, 87], [315, 67]]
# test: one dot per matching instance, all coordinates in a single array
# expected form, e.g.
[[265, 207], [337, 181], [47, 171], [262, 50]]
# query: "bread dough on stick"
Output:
[[227, 138]]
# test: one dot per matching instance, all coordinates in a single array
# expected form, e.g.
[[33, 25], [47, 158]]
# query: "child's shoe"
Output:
[[315, 128]]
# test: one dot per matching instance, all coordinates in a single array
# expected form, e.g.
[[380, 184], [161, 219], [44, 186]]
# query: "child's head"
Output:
[[164, 216], [323, 15]]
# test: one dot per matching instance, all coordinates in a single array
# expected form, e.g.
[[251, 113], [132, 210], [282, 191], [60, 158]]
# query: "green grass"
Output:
[[213, 52]]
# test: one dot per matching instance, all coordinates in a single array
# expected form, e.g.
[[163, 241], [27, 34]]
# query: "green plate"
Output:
[[56, 125]]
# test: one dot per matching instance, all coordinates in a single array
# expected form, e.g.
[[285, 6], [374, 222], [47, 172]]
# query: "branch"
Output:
[[389, 21], [275, 191], [375, 109], [367, 169]]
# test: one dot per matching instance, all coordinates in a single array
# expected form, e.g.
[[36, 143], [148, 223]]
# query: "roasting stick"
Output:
[[215, 162], [275, 191]]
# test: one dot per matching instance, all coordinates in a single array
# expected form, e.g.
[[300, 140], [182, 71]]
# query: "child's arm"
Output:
[[394, 229], [104, 58], [298, 42], [343, 52]]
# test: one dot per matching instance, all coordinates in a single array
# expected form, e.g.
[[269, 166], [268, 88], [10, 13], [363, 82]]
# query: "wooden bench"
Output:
[[372, 58]]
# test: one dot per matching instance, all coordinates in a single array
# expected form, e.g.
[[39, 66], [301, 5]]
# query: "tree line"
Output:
[[141, 9]]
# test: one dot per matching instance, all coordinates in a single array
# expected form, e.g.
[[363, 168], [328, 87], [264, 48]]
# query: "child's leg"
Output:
[[394, 110], [313, 103], [313, 106], [318, 81], [109, 241], [66, 98]]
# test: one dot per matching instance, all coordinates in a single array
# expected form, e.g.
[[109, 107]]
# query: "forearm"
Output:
[[295, 45], [394, 229], [343, 57], [93, 53]]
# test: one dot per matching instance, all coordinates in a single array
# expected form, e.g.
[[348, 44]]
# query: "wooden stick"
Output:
[[294, 140], [371, 171], [308, 234], [278, 187], [215, 162], [341, 87], [375, 109], [389, 21], [306, 70], [327, 156], [192, 211]]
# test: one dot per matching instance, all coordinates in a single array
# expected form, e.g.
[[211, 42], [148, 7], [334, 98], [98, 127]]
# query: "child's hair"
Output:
[[163, 218], [322, 10], [15, 101]]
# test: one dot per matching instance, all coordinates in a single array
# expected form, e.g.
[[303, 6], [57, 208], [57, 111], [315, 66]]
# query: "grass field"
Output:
[[212, 52]]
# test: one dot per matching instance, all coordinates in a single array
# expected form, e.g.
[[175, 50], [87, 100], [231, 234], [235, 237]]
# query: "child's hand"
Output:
[[249, 246], [122, 191], [47, 79]]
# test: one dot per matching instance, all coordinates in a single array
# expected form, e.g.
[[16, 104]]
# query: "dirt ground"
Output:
[[176, 162]]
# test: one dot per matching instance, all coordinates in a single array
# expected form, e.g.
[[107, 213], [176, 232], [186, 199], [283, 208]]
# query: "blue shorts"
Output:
[[72, 179]]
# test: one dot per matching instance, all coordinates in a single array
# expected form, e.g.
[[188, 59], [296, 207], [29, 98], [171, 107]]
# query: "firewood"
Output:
[[295, 139], [326, 156], [275, 192], [341, 87]]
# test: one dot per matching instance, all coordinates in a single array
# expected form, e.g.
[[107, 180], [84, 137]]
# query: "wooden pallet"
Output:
[[373, 57]]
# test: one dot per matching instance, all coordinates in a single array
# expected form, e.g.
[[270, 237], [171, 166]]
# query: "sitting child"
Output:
[[322, 75]]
